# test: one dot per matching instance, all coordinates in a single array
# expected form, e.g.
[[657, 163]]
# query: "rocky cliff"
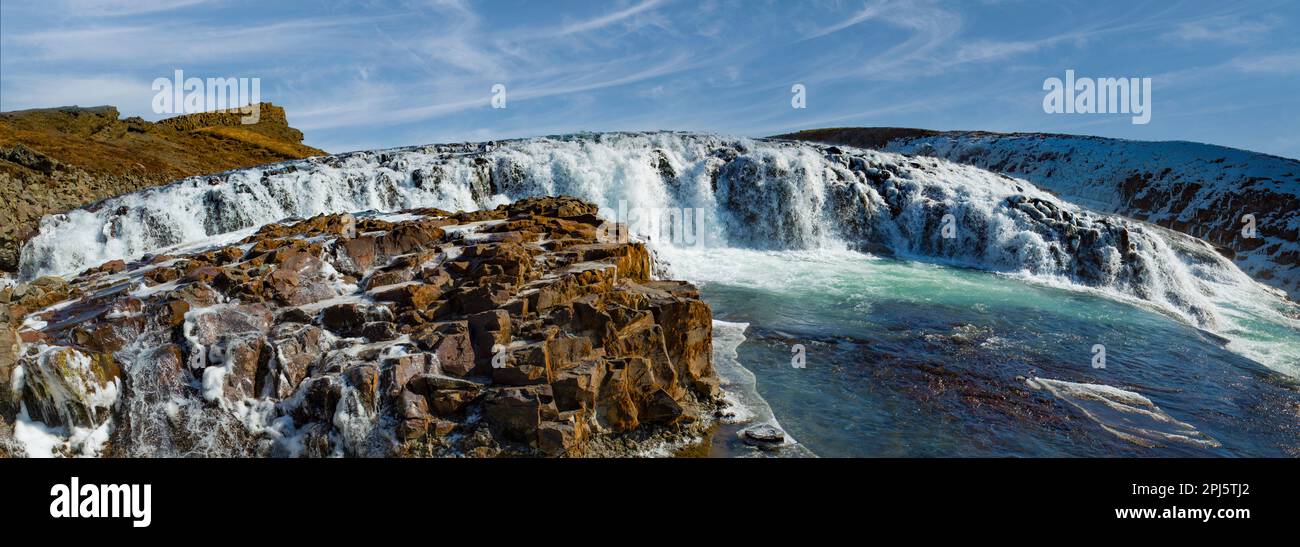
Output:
[[529, 329], [1210, 192], [57, 159]]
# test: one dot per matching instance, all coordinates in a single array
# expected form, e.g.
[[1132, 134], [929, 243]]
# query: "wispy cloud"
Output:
[[117, 8], [605, 20], [172, 42], [1287, 62], [1225, 29], [391, 72], [866, 13]]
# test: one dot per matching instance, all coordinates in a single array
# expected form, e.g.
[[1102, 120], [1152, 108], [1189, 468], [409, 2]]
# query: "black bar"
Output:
[[833, 493]]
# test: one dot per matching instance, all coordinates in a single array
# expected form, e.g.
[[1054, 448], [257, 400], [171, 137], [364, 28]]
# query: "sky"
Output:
[[371, 74]]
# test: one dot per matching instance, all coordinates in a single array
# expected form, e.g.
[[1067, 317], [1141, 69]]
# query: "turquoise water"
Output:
[[909, 359]]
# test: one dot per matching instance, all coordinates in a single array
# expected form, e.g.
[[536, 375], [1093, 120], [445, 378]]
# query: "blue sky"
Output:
[[356, 75]]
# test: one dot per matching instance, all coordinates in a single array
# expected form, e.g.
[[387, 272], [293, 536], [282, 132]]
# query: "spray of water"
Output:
[[754, 194]]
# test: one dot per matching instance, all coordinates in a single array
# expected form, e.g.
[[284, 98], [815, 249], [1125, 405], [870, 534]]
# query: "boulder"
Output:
[[413, 410], [295, 348], [410, 295], [615, 409], [246, 363], [350, 319], [579, 387], [9, 348], [300, 278], [525, 363], [398, 371], [563, 437], [365, 379], [208, 325], [517, 412], [316, 399], [63, 386], [488, 330], [455, 355]]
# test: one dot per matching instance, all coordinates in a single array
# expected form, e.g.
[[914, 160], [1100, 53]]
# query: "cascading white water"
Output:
[[751, 193]]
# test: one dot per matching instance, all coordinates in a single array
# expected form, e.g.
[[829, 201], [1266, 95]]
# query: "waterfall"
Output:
[[748, 193]]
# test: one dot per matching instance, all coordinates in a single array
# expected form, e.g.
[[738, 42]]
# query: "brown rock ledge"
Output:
[[523, 330]]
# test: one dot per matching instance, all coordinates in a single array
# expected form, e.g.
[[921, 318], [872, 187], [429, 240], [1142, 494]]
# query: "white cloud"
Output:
[[132, 97], [1225, 29], [115, 8], [1276, 63], [147, 44], [867, 13], [607, 19]]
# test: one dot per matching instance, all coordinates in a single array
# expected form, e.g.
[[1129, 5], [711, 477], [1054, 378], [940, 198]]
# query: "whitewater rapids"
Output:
[[750, 194]]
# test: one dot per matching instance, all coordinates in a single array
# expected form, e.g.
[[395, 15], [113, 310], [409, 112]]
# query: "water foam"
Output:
[[755, 195]]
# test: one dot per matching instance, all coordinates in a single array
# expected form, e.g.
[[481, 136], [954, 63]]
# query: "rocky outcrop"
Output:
[[57, 159], [524, 330]]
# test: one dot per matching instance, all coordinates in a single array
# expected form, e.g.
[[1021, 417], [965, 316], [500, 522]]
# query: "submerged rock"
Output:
[[522, 330], [764, 435]]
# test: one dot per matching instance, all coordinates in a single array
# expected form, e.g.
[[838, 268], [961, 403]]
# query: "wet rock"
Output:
[[66, 387], [398, 371], [579, 387], [301, 278], [355, 255], [209, 325], [529, 333], [446, 396], [763, 435], [365, 379], [294, 349], [378, 331], [317, 399], [246, 362], [9, 345], [350, 319], [413, 410], [690, 344], [480, 299], [411, 295]]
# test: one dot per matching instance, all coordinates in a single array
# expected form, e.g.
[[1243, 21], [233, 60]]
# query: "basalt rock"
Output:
[[529, 332]]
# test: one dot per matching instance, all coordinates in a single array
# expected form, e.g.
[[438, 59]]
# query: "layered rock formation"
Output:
[[57, 159], [530, 329]]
